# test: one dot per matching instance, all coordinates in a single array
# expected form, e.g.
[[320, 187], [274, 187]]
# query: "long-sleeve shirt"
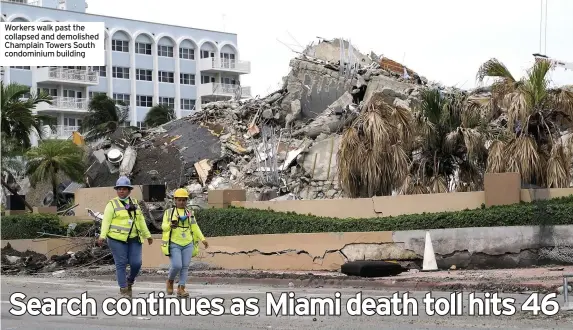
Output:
[[139, 223], [166, 225]]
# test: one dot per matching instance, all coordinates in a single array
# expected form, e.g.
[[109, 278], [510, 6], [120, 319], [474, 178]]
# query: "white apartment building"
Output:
[[146, 64]]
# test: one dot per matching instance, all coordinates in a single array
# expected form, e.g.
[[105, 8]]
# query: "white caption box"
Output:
[[52, 43]]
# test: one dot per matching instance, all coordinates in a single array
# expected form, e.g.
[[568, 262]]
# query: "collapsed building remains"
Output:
[[281, 146]]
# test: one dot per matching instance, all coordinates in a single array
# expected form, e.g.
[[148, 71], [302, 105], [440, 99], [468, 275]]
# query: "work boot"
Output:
[[181, 292], [125, 293], [170, 286], [129, 288]]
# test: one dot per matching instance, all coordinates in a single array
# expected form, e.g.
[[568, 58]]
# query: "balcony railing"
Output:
[[229, 89], [213, 63], [63, 131], [71, 103], [73, 75]]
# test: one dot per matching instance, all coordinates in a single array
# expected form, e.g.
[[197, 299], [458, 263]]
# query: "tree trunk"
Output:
[[54, 190], [15, 193]]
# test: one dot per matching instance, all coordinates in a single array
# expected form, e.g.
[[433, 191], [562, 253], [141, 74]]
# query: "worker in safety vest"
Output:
[[124, 227], [180, 241]]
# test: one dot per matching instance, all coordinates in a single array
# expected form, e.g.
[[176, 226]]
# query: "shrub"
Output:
[[29, 226], [240, 221]]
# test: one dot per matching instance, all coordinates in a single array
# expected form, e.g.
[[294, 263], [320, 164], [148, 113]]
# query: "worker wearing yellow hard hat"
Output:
[[180, 241]]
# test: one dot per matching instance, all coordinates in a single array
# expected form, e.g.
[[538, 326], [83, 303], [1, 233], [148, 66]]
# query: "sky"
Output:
[[443, 40]]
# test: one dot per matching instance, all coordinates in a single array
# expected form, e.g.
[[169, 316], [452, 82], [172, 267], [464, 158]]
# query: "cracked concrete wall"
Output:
[[370, 207], [493, 247], [315, 251], [488, 247]]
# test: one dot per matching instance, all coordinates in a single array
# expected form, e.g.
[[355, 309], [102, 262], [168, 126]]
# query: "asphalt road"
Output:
[[202, 294]]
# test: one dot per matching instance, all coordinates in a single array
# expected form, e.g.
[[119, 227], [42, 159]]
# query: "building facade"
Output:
[[146, 64]]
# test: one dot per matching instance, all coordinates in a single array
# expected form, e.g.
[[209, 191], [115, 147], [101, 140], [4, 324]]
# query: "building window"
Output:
[[142, 48], [167, 101], [21, 67], [207, 53], [186, 79], [144, 101], [166, 51], [93, 94], [187, 53], [166, 77], [50, 91], [207, 79], [228, 60], [143, 74], [119, 72], [73, 93], [227, 56], [141, 125], [72, 122], [187, 104], [120, 46], [125, 98], [228, 81], [101, 70]]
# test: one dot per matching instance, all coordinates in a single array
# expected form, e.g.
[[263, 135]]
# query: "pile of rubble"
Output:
[[281, 146], [29, 262]]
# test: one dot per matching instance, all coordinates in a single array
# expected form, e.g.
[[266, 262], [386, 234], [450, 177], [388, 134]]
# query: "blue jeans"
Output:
[[124, 254], [180, 257]]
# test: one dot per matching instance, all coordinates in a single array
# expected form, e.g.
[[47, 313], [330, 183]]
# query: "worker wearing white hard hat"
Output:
[[124, 227]]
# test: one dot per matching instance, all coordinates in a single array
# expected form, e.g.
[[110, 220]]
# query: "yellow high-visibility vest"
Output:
[[122, 225], [183, 235]]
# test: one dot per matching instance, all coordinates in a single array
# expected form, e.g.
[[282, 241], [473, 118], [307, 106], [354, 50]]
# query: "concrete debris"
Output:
[[29, 262], [284, 144]]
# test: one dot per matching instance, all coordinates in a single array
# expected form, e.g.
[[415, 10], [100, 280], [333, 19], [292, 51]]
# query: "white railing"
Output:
[[71, 103], [243, 66], [63, 131], [73, 74], [224, 90], [225, 64], [219, 88]]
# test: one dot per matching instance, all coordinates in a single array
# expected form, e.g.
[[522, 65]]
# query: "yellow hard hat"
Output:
[[181, 193]]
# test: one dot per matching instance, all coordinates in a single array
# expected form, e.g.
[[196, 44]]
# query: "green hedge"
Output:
[[27, 226], [240, 221]]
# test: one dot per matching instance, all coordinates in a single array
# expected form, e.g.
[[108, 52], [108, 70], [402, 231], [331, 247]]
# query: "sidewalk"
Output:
[[507, 280]]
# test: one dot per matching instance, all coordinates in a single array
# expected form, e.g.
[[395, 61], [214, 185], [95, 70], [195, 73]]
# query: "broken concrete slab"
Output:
[[320, 162], [196, 142], [390, 87], [129, 158], [331, 120], [315, 86]]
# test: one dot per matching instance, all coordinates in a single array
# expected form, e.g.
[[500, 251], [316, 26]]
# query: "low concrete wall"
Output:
[[384, 206], [96, 198], [489, 247]]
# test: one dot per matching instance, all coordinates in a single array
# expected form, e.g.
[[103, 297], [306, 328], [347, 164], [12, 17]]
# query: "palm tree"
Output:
[[537, 116], [104, 117], [449, 148], [159, 115], [373, 156], [52, 157], [18, 118], [12, 164]]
